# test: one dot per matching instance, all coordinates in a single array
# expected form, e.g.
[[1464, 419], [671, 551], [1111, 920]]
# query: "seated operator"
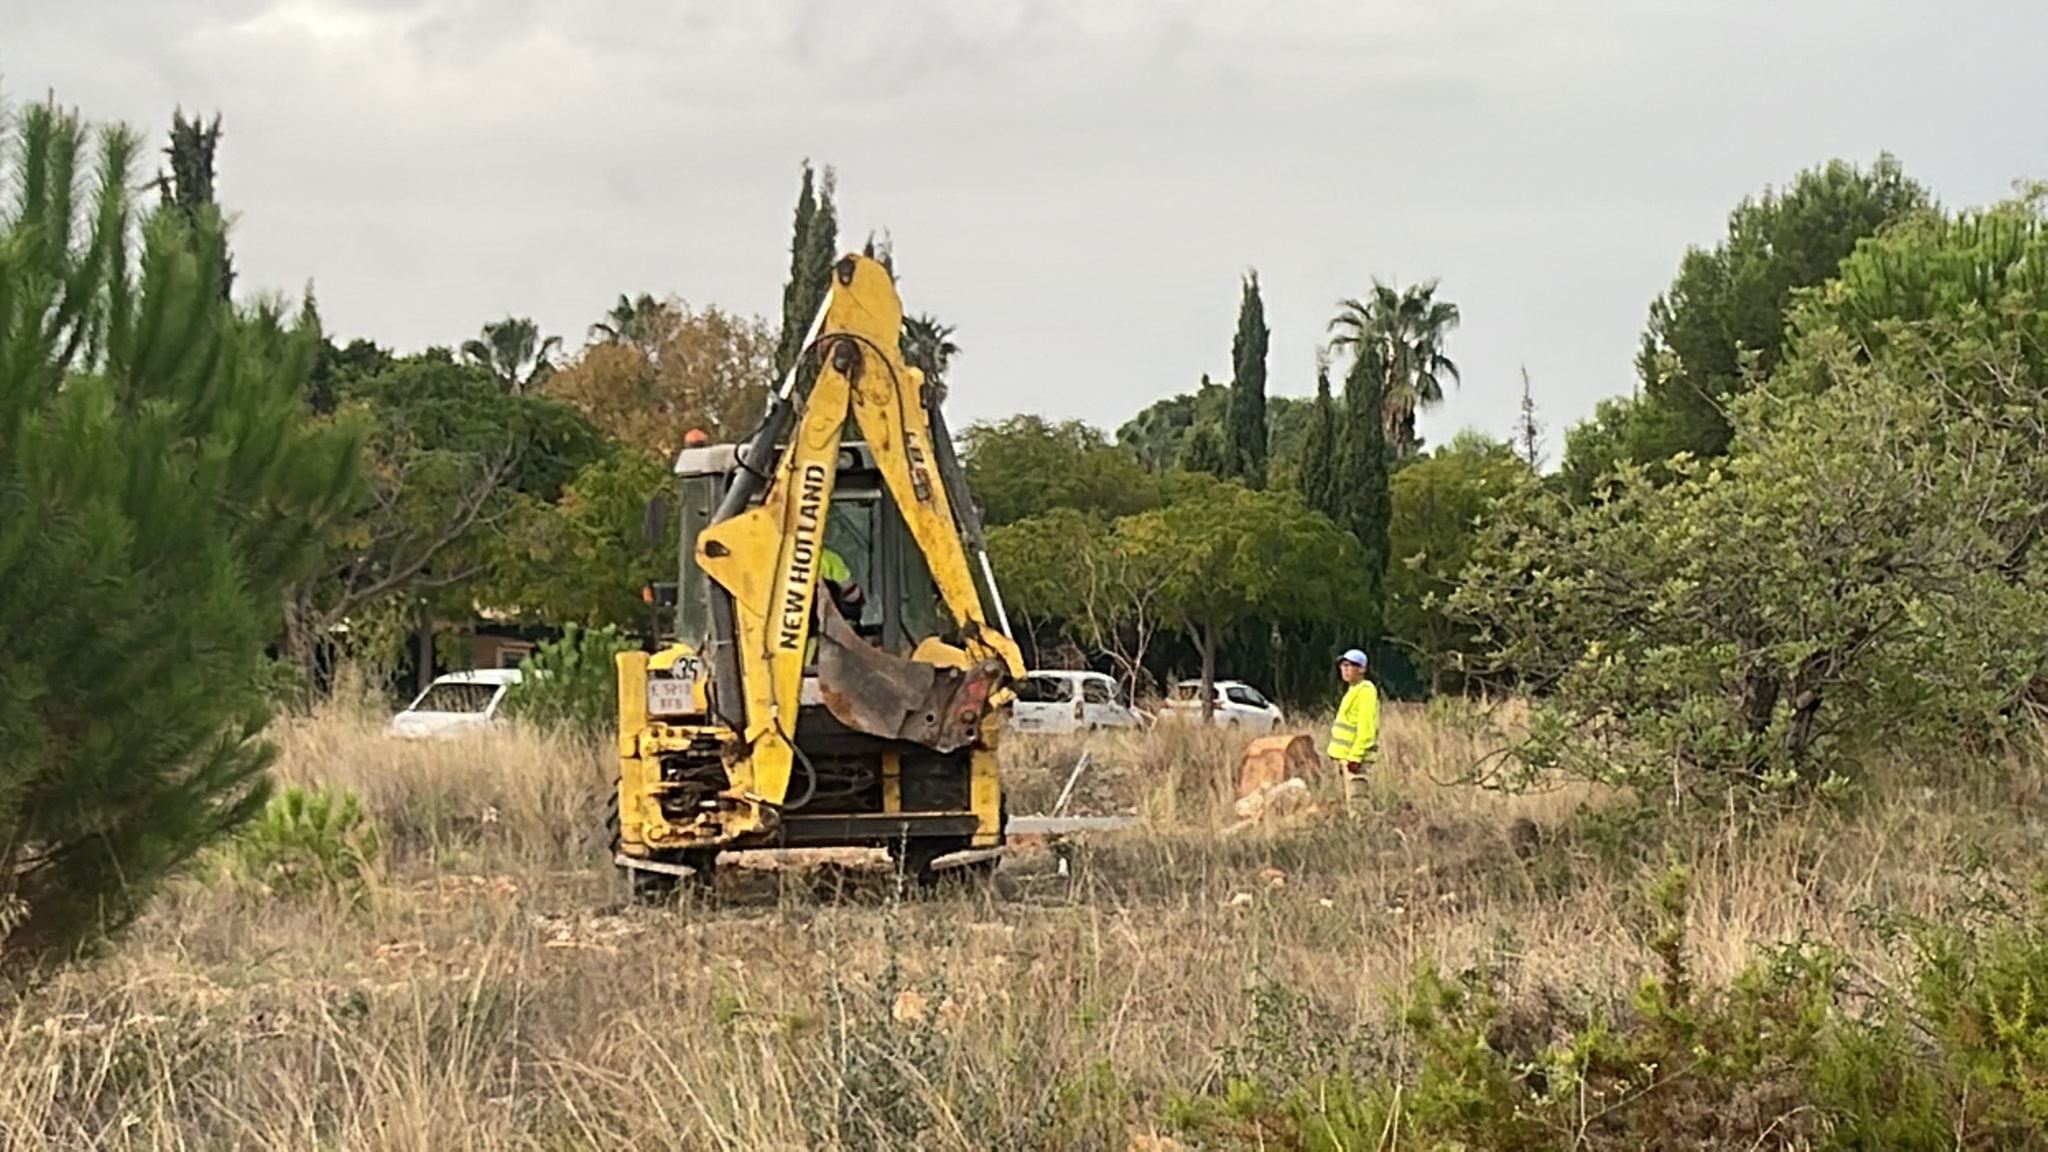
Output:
[[836, 580], [839, 584]]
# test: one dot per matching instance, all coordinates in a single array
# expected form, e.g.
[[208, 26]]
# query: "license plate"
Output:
[[667, 697]]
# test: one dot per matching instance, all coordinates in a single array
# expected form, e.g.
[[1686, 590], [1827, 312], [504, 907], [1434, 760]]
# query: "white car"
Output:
[[1238, 705], [456, 703], [1069, 702]]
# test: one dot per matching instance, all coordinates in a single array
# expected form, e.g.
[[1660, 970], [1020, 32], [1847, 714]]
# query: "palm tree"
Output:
[[513, 350], [1404, 331], [928, 346], [634, 321]]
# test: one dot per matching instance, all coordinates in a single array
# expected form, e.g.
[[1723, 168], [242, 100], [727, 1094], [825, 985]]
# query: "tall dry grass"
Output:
[[496, 992]]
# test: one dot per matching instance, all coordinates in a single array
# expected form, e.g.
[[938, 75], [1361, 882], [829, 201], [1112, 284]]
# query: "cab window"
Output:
[[1246, 697], [850, 532], [1044, 690], [1096, 692]]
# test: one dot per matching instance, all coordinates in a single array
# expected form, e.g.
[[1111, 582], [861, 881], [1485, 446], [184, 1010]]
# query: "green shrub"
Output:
[[572, 682], [308, 842], [1794, 1052]]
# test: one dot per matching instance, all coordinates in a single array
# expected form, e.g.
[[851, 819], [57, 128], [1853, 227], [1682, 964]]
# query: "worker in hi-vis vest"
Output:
[[1355, 733], [835, 579]]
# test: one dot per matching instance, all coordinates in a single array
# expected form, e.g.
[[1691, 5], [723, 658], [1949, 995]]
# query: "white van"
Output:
[[456, 703], [1058, 701]]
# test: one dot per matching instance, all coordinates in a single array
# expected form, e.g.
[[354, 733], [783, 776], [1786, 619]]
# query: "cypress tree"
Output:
[[188, 189], [1364, 493], [822, 244], [160, 488], [1244, 453], [1319, 463], [812, 248], [798, 307]]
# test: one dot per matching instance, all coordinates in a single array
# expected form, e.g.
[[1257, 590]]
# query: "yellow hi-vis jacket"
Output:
[[831, 566], [1355, 734]]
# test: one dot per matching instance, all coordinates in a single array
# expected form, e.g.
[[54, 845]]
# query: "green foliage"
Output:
[[1244, 442], [1158, 434], [514, 352], [1363, 492], [1858, 576], [928, 347], [1593, 446], [338, 369], [1981, 276], [1438, 504], [1026, 466], [1982, 985], [1318, 472], [572, 682], [813, 246], [188, 189], [1101, 584], [1402, 332], [585, 558], [1287, 428], [160, 486], [309, 842], [1206, 450], [462, 479], [1794, 1052], [1041, 559], [1722, 325], [1225, 553]]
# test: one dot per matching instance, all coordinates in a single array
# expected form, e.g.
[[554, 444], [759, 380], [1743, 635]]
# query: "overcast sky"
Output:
[[1076, 185]]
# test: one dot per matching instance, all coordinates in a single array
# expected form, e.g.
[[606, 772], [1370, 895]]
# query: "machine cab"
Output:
[[894, 603]]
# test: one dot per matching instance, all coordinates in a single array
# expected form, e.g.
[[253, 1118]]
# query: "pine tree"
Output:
[[1319, 463], [1244, 449], [1364, 494], [160, 487]]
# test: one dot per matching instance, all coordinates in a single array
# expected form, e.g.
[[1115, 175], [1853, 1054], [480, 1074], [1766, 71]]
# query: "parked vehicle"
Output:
[[1237, 705], [456, 703], [1057, 701]]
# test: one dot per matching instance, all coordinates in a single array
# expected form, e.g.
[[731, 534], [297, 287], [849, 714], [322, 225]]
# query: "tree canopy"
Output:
[[667, 369], [160, 486], [1026, 466], [1859, 572]]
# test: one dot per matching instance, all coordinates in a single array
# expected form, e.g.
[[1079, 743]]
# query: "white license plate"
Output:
[[666, 697]]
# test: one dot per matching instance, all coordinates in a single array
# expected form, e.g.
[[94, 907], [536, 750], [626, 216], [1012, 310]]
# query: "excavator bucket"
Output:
[[881, 694]]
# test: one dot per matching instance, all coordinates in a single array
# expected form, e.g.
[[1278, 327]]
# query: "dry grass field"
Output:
[[489, 988]]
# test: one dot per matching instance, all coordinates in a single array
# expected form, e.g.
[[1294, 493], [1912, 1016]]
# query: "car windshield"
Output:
[[457, 697], [1044, 690]]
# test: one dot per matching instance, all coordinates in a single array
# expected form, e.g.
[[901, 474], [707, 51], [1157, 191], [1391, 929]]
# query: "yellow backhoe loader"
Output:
[[870, 716]]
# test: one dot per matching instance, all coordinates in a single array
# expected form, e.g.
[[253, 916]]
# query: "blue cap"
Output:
[[1354, 656]]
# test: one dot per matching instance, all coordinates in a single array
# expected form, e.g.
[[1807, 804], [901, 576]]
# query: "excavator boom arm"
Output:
[[766, 557]]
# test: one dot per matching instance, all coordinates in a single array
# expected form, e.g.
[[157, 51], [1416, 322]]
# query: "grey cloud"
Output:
[[1077, 185]]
